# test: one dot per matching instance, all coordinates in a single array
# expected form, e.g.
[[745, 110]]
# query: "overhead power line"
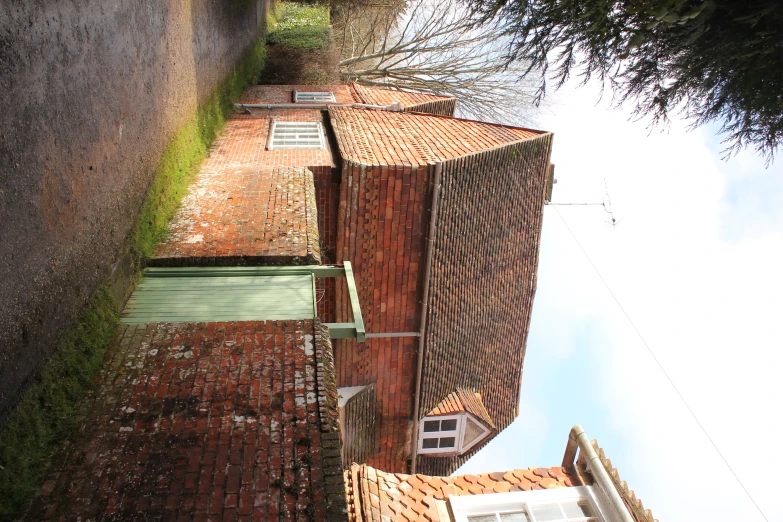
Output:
[[660, 366]]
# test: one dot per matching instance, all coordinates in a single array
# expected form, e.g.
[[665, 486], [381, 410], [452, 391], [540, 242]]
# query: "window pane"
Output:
[[482, 518], [430, 426], [574, 509], [296, 135], [448, 425], [519, 516], [547, 512], [429, 443], [447, 442]]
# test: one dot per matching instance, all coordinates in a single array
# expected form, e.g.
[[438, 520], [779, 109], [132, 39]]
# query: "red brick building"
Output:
[[441, 220], [222, 396], [583, 489]]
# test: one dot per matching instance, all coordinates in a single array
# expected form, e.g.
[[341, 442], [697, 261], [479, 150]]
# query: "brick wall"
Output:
[[197, 421], [384, 210]]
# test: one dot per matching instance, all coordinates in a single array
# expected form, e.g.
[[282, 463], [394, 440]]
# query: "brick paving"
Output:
[[208, 421]]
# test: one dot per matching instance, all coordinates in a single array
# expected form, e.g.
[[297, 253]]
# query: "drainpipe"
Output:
[[391, 334], [424, 302], [577, 437], [394, 107]]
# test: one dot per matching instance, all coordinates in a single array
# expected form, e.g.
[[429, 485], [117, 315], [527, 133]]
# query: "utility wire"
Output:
[[663, 370]]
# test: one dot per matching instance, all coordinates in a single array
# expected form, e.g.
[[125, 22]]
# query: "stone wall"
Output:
[[92, 93]]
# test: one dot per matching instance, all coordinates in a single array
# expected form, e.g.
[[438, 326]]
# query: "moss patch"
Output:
[[185, 153], [45, 413], [33, 433]]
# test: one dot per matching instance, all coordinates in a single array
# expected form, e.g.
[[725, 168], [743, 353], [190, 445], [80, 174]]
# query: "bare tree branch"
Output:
[[435, 47]]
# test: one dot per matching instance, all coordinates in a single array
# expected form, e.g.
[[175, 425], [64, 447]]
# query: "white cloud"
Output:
[[696, 264]]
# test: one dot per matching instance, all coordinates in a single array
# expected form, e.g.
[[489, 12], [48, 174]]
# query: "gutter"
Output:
[[424, 303], [394, 107], [578, 437]]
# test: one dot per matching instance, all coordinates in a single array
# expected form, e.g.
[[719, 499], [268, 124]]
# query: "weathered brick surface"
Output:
[[209, 421], [239, 215], [237, 157], [383, 211]]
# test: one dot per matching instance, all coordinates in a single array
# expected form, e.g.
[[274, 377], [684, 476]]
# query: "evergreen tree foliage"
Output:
[[712, 61]]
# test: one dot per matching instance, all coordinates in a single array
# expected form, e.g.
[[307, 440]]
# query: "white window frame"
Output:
[[458, 434], [314, 97], [464, 506], [281, 124]]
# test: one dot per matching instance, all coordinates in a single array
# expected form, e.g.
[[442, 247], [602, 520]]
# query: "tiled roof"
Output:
[[412, 101], [244, 214], [377, 496], [463, 401], [640, 514], [198, 421], [482, 282], [376, 137]]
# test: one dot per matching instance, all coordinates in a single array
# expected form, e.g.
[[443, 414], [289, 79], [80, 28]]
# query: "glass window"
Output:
[[288, 135], [430, 443], [447, 442], [430, 426], [577, 509], [567, 505], [439, 434], [323, 97], [483, 518], [448, 425], [547, 512]]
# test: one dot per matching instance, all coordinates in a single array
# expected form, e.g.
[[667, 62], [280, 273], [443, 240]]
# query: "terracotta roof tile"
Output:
[[463, 401], [415, 495], [414, 101], [639, 512], [376, 137]]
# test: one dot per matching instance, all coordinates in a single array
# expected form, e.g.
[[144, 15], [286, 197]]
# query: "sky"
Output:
[[696, 261]]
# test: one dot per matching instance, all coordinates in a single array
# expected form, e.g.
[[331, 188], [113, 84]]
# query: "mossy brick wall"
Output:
[[93, 94]]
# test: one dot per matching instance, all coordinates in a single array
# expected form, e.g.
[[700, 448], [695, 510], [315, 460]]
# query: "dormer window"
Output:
[[449, 434], [457, 424], [314, 97]]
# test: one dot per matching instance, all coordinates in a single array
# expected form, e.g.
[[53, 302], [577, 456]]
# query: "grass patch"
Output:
[[45, 414], [302, 27], [302, 37], [44, 417]]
